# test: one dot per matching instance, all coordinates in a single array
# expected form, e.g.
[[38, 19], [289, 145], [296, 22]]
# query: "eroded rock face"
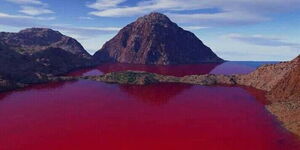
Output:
[[32, 40], [288, 88], [155, 39], [280, 80], [266, 77]]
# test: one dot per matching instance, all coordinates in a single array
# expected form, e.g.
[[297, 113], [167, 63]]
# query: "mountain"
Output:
[[32, 40], [33, 55], [155, 39]]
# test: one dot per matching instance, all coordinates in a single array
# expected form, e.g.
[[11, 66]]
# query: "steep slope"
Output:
[[273, 77], [155, 39], [288, 88], [19, 68], [285, 98], [57, 61], [266, 77]]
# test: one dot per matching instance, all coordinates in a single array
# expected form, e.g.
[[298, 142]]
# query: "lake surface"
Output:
[[88, 115]]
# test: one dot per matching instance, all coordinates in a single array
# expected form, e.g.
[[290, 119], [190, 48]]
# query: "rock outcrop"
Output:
[[285, 97], [266, 77], [288, 87], [146, 78], [155, 39]]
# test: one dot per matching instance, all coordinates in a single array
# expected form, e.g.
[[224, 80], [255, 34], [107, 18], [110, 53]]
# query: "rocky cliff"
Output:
[[155, 39]]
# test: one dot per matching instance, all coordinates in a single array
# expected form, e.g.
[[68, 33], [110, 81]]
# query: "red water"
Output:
[[175, 70], [88, 115]]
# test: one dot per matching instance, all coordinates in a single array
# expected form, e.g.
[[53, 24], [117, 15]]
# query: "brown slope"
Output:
[[285, 98], [288, 88]]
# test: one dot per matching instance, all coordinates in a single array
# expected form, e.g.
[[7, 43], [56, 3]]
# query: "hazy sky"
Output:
[[234, 29]]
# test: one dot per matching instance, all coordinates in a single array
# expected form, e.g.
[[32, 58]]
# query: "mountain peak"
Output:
[[154, 17], [155, 39], [39, 30]]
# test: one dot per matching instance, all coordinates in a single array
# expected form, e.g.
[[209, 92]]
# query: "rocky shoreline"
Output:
[[280, 81], [265, 78]]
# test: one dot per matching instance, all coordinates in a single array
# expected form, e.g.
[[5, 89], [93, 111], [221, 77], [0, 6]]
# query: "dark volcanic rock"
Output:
[[155, 39], [32, 40]]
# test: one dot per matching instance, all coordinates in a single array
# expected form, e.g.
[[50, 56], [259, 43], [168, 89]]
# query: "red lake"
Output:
[[88, 115]]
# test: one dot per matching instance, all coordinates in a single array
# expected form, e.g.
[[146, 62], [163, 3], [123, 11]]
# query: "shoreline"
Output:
[[285, 112]]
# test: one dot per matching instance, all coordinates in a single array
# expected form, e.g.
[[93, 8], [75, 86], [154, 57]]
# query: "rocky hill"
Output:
[[33, 55], [288, 87], [155, 39], [285, 97], [32, 40]]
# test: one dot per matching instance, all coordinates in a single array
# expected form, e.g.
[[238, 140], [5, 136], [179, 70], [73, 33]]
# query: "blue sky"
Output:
[[234, 29]]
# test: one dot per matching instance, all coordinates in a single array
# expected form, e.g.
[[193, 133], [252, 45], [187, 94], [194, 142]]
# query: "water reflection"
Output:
[[143, 93], [238, 67], [37, 87], [157, 94], [93, 115], [258, 94], [153, 94], [175, 70]]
